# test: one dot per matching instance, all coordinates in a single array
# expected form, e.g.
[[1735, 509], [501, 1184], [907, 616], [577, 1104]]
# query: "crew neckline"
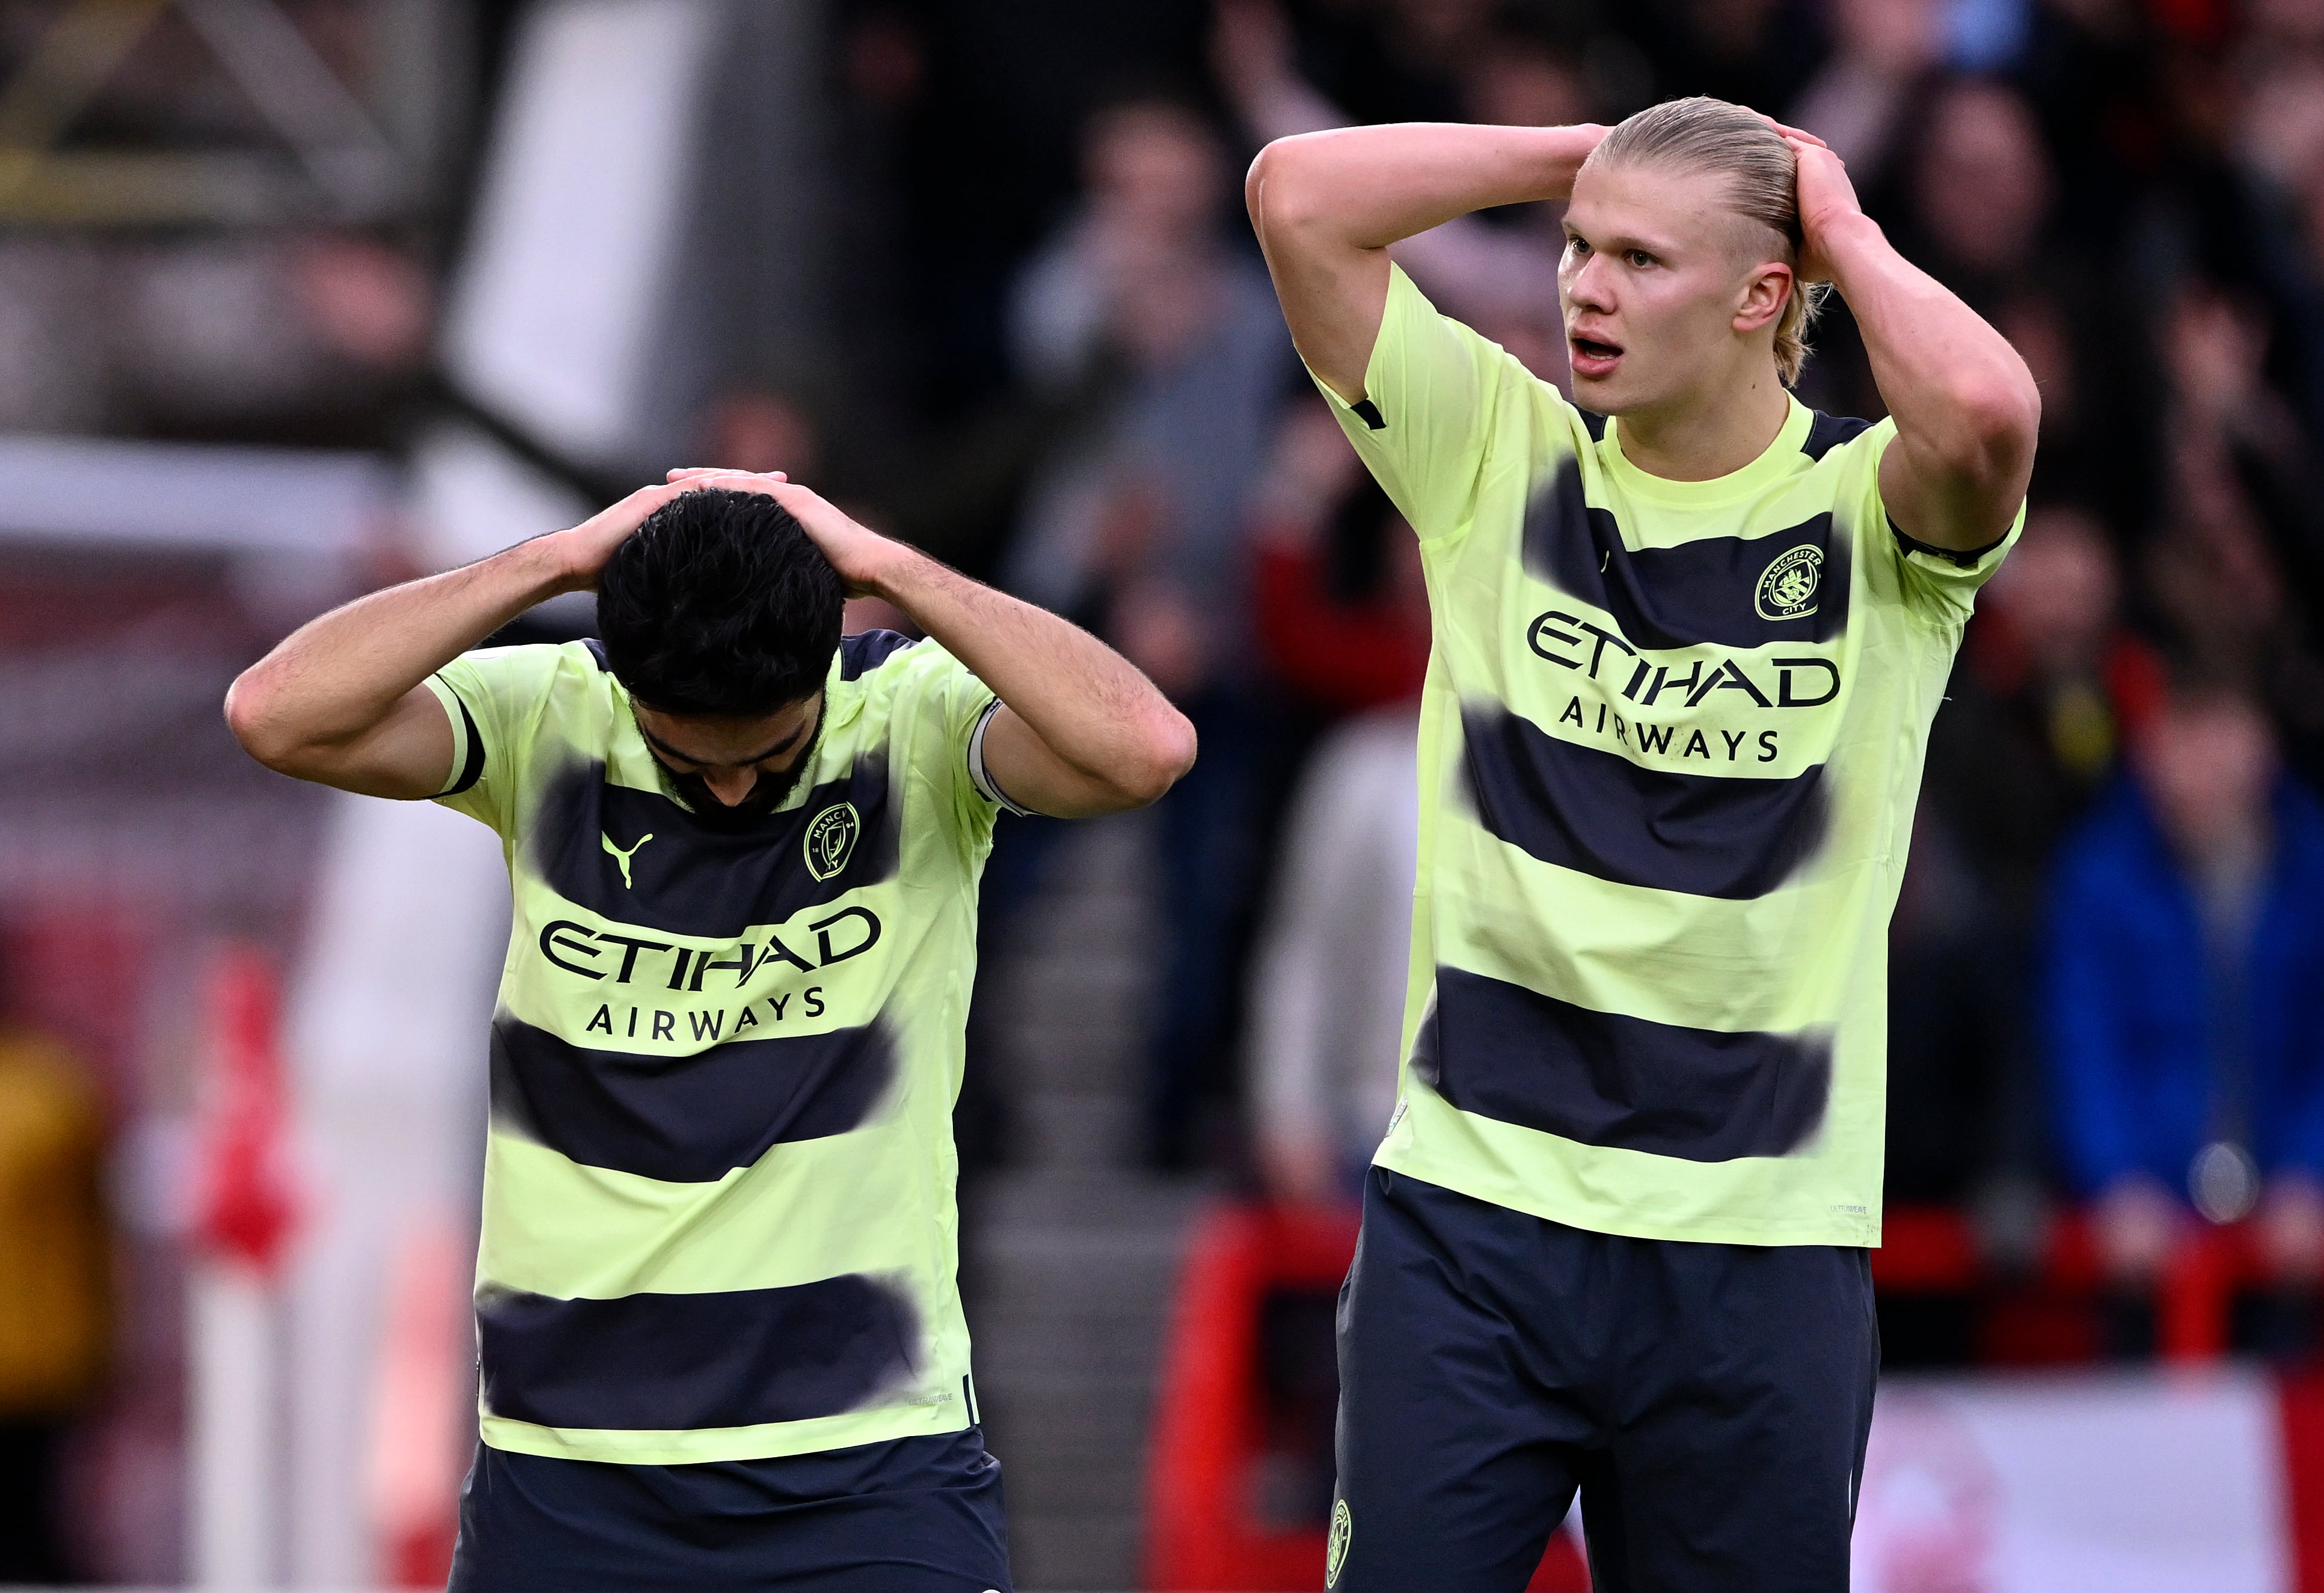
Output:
[[1771, 465]]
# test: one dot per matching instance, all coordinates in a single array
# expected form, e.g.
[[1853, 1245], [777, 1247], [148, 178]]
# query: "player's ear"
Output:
[[1765, 292]]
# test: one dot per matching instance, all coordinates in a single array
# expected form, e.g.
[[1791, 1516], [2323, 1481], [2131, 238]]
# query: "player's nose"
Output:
[[1586, 287], [731, 786]]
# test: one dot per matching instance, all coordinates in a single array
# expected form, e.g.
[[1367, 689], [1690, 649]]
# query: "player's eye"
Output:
[[1639, 258], [1576, 246]]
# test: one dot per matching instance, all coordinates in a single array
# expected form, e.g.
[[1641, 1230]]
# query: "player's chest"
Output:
[[1713, 641]]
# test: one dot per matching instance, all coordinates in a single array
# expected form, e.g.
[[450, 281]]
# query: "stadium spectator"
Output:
[[1861, 99], [1979, 216], [1502, 278], [1338, 597], [2051, 687], [1138, 522], [55, 1314], [1342, 623], [2239, 580], [2186, 936], [1328, 982]]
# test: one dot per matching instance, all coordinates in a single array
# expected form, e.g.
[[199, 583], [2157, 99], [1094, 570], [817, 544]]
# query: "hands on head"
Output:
[[860, 555], [1825, 196]]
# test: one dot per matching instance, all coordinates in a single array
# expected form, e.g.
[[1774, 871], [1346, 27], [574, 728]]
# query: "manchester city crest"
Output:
[[1787, 589], [831, 838]]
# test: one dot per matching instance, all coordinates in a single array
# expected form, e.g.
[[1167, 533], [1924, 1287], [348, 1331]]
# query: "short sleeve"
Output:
[[492, 699], [940, 710], [1426, 423], [1937, 583]]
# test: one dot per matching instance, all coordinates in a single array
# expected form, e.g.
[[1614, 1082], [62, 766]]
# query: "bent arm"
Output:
[[1966, 407], [1326, 206], [1080, 732], [341, 702]]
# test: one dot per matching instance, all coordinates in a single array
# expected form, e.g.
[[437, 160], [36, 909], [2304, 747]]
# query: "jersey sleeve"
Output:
[[1433, 394], [493, 699], [940, 711], [1937, 583]]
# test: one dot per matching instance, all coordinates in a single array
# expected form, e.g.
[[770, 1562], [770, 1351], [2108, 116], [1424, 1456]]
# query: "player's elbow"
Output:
[[1278, 191], [1996, 419], [254, 716], [247, 716], [1164, 752], [2009, 413]]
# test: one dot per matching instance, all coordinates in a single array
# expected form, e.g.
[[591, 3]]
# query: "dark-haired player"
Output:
[[721, 1344], [1688, 636]]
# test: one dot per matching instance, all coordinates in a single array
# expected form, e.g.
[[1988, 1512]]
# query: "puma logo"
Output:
[[623, 857]]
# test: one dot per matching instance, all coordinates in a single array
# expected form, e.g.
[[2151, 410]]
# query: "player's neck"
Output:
[[1707, 435]]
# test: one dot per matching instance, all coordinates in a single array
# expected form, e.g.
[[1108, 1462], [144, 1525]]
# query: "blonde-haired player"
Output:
[[1688, 636]]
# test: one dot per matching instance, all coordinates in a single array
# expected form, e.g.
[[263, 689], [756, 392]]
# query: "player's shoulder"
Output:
[[877, 676], [533, 663], [521, 684], [867, 652], [1833, 467], [1840, 437], [1840, 454], [872, 667]]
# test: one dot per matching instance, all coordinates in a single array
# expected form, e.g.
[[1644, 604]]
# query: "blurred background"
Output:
[[303, 296]]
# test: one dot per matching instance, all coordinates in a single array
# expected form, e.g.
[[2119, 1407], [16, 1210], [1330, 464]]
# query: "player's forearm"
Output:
[[1965, 405], [1090, 706], [339, 676], [1367, 188]]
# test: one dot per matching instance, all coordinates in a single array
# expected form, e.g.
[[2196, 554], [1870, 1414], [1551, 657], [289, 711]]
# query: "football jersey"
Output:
[[1670, 741], [719, 1220]]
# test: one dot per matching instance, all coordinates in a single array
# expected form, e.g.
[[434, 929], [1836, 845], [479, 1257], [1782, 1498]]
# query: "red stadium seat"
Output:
[[1203, 1530]]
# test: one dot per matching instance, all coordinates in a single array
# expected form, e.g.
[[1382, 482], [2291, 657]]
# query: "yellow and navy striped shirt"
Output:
[[1670, 747], [719, 1219]]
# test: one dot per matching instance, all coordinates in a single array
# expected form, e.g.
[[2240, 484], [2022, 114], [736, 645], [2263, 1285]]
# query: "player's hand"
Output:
[[583, 549], [1827, 199], [861, 556]]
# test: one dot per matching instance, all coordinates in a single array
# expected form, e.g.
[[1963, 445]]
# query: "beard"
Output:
[[769, 793]]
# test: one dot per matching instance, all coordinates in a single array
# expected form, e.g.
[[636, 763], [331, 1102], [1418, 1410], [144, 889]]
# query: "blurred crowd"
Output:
[[1046, 347]]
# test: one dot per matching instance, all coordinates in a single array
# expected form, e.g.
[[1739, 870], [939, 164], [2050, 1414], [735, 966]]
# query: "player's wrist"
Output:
[[892, 571], [1843, 241], [554, 564], [1563, 150]]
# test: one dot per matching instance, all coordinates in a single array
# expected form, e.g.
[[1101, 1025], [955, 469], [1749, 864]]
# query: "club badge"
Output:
[[1787, 589], [831, 838]]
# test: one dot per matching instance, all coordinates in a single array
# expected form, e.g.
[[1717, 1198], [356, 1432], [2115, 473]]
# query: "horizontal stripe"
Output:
[[685, 1119], [1705, 590], [693, 1446], [670, 1361], [1716, 964], [1585, 809], [817, 1208], [1603, 1079], [689, 879]]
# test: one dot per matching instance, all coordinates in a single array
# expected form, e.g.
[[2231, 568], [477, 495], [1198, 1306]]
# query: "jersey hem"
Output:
[[1860, 1234], [767, 1441]]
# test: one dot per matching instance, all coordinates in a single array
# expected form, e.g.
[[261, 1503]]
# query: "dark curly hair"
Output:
[[719, 604]]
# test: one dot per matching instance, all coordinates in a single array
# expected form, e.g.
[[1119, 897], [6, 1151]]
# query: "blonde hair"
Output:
[[1705, 134]]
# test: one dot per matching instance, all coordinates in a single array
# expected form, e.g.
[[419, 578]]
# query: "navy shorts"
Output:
[[911, 1515], [1709, 1402]]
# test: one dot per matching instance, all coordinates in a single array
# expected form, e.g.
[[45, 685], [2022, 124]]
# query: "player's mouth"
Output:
[[1592, 358]]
